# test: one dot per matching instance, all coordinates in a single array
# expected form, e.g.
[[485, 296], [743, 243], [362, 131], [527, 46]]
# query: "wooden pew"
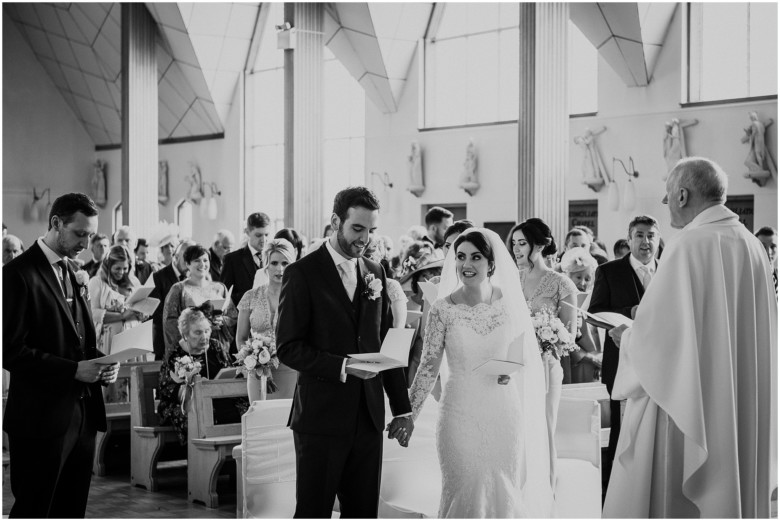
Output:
[[117, 415], [147, 436], [209, 446], [591, 391]]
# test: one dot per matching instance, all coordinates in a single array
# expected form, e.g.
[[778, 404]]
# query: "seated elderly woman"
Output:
[[195, 353]]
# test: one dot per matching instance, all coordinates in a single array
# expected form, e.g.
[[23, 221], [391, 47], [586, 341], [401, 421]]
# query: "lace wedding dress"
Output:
[[480, 430]]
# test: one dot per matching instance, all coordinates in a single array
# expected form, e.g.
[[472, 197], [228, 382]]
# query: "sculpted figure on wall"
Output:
[[594, 174], [98, 183], [414, 159], [468, 178], [761, 165], [674, 142]]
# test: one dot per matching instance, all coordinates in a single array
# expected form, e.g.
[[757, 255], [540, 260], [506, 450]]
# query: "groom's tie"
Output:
[[348, 277]]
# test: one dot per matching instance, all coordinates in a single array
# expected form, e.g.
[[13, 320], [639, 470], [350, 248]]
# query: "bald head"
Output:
[[694, 184], [12, 248]]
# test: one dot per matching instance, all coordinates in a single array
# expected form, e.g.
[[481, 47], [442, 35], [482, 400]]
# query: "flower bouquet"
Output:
[[553, 337], [184, 369], [255, 360]]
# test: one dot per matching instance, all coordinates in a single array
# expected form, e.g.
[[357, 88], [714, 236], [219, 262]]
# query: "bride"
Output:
[[491, 433]]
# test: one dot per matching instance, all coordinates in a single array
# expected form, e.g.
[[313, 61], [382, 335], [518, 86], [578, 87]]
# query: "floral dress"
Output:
[[169, 411], [184, 295], [262, 321]]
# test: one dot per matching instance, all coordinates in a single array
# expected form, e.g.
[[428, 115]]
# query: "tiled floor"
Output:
[[112, 497]]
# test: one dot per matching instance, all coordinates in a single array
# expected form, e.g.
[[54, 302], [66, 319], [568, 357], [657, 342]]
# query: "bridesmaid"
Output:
[[258, 310], [544, 289]]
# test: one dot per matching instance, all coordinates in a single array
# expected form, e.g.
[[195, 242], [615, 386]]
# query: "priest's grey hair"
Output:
[[702, 176]]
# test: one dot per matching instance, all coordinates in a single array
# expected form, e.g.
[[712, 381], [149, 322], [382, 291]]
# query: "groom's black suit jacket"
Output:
[[617, 289], [317, 327], [42, 348]]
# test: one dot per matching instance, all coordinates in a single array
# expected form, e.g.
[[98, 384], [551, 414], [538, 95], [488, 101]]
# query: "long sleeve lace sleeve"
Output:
[[430, 363]]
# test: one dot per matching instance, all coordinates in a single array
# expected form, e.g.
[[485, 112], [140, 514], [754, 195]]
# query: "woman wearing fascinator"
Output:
[[491, 435]]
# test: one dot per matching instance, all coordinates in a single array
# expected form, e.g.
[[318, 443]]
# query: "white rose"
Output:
[[82, 277], [185, 360], [263, 357], [554, 338], [537, 322], [375, 285], [546, 333], [250, 362], [564, 335]]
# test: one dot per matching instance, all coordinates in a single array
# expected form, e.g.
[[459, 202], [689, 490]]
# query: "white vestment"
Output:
[[699, 370]]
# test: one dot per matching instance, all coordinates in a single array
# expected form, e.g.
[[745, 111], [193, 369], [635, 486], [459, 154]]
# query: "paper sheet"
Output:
[[394, 352], [138, 294], [412, 317], [138, 337], [495, 367], [226, 373], [218, 303], [430, 291], [227, 300], [146, 306], [604, 319]]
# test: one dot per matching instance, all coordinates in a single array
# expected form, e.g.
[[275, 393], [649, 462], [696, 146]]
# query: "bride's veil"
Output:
[[529, 381]]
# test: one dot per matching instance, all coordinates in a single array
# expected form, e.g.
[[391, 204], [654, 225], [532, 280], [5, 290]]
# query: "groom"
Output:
[[327, 311]]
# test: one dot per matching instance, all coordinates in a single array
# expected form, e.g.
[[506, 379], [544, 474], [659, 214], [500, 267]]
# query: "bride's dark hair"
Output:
[[536, 233], [481, 243]]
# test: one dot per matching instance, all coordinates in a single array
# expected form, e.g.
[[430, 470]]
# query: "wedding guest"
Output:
[[417, 233], [168, 245], [580, 266], [699, 368], [546, 290], [437, 220], [164, 280], [768, 237], [239, 267], [294, 238], [196, 342], [453, 232], [257, 311], [12, 248], [619, 288], [55, 404], [621, 249], [222, 245], [99, 246], [387, 246], [108, 291], [196, 290], [125, 236], [143, 268], [398, 300]]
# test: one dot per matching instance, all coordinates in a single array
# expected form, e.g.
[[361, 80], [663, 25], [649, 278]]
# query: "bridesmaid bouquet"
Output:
[[553, 337], [184, 368], [257, 357]]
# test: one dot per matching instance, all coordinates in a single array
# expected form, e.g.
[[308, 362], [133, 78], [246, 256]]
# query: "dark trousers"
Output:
[[614, 430], [349, 467], [50, 477]]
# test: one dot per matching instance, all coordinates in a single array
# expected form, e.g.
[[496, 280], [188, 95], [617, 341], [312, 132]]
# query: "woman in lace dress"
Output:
[[257, 311], [194, 291], [491, 436], [544, 289]]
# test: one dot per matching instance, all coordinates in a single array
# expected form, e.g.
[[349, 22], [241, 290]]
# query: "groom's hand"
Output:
[[364, 375], [401, 429]]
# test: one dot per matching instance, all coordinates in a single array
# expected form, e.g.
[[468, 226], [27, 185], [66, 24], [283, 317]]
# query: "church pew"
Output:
[[209, 446]]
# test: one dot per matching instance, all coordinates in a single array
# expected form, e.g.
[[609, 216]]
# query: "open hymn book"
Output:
[[393, 353], [499, 367], [132, 343], [604, 319]]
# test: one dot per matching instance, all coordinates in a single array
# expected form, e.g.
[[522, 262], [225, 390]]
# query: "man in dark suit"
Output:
[[55, 404], [143, 269], [223, 244], [619, 287], [437, 220], [327, 311], [99, 246], [239, 267], [164, 279]]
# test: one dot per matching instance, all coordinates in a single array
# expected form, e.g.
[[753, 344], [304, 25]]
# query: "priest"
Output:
[[699, 368]]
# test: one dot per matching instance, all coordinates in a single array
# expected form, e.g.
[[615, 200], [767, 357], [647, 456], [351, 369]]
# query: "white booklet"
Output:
[[512, 364], [138, 337], [139, 300], [412, 317], [394, 352], [430, 291], [603, 319], [127, 354]]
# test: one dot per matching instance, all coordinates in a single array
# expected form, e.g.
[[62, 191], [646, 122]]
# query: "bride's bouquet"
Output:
[[553, 337], [257, 357]]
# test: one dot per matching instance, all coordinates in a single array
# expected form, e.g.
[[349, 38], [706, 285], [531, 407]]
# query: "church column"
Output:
[[303, 120], [543, 129], [139, 119]]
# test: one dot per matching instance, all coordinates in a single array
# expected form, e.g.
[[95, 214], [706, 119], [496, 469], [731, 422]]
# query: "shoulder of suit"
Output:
[[235, 254], [607, 266]]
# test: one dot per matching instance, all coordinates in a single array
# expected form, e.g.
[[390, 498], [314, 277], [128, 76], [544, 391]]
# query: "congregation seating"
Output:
[[209, 445]]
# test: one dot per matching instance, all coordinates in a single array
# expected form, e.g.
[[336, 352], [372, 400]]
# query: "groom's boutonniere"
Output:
[[373, 287], [82, 278]]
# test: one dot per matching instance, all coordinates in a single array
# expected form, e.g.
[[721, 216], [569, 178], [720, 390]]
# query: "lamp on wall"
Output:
[[629, 192], [37, 210], [384, 178]]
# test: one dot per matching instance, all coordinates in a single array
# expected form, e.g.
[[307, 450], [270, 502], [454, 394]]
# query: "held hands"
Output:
[[90, 372], [617, 333], [401, 429], [363, 375]]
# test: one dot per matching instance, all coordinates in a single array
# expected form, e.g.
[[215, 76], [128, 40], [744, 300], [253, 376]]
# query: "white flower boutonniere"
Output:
[[82, 279], [373, 287]]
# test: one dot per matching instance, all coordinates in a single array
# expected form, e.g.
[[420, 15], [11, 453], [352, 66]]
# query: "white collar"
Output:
[[52, 256], [336, 256], [637, 264], [253, 251]]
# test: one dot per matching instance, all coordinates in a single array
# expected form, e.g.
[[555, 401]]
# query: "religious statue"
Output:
[[759, 161], [416, 185], [195, 191], [594, 173], [674, 142], [468, 179], [162, 182], [98, 182]]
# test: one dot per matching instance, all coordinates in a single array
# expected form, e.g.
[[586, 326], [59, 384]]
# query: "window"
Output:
[[583, 73], [117, 218], [471, 65], [184, 218], [732, 51]]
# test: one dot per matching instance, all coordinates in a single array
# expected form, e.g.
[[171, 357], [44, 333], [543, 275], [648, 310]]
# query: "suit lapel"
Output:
[[630, 274], [330, 274], [249, 263], [47, 274]]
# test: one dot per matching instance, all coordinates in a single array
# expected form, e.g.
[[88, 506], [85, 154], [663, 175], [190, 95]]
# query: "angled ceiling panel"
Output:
[[76, 81], [72, 30], [62, 51], [86, 59], [39, 42], [99, 91], [85, 25], [50, 21]]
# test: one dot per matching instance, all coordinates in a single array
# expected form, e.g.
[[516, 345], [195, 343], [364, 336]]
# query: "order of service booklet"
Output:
[[393, 353], [510, 365], [603, 319], [132, 343]]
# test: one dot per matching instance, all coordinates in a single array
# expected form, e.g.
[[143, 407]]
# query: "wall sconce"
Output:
[[629, 192], [210, 201], [38, 211], [384, 178]]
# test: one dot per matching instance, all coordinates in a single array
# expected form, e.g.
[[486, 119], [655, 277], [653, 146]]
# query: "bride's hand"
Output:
[[503, 379]]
